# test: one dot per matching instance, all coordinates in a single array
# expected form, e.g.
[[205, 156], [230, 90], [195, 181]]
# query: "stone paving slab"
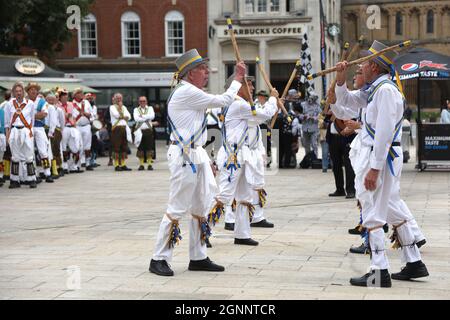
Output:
[[105, 224]]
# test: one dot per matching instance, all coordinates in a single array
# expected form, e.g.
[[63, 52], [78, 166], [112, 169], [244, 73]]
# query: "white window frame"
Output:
[[130, 16], [268, 9], [174, 16], [89, 18]]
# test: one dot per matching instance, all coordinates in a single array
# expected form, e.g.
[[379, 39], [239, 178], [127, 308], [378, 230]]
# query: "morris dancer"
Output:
[[192, 183], [379, 167]]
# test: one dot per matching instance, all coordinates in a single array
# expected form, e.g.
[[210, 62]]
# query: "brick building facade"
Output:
[[130, 46]]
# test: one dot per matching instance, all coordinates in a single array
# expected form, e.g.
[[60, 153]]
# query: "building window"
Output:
[[398, 24], [131, 35], [229, 69], [262, 5], [275, 6], [430, 21], [249, 6], [87, 37], [174, 33]]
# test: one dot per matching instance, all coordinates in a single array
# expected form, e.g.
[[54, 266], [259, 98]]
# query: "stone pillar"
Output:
[[391, 23], [262, 52], [423, 23], [438, 23], [406, 13]]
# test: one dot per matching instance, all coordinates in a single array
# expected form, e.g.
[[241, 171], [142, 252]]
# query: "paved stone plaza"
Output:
[[102, 226]]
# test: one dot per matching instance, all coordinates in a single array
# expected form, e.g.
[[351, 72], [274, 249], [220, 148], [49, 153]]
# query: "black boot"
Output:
[[337, 194], [229, 226], [125, 168], [33, 184], [89, 168], [150, 167], [204, 265], [412, 270], [362, 249], [262, 224], [355, 230], [49, 179], [160, 267], [247, 242], [14, 184], [375, 278], [141, 167], [208, 244]]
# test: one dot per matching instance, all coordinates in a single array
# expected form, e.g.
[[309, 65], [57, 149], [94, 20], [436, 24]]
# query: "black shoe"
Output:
[[412, 270], [65, 171], [125, 168], [38, 180], [324, 170], [204, 265], [6, 178], [247, 242], [96, 165], [89, 168], [76, 171], [337, 194], [49, 179], [54, 177], [421, 243], [14, 184], [386, 228], [229, 226], [208, 244], [118, 168], [375, 278], [41, 176], [350, 195], [150, 167], [83, 165], [160, 267], [262, 224], [355, 230], [362, 249], [141, 168], [33, 184]]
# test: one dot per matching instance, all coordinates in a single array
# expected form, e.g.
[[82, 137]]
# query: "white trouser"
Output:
[[385, 205], [397, 207], [229, 214], [241, 185], [72, 139], [42, 145], [22, 149], [190, 193], [86, 136]]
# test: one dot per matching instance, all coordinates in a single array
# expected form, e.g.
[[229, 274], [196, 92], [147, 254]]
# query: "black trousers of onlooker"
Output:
[[285, 155], [339, 151]]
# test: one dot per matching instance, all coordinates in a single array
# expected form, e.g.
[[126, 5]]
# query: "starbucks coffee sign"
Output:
[[290, 29], [30, 66]]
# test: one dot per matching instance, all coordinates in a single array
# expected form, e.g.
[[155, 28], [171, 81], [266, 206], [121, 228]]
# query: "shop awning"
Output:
[[423, 63], [70, 86]]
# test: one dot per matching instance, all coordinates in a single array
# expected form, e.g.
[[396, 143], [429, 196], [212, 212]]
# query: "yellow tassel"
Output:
[[54, 168], [7, 168]]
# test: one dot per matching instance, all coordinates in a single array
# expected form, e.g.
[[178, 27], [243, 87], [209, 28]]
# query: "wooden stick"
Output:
[[267, 81], [286, 89], [239, 59], [360, 60]]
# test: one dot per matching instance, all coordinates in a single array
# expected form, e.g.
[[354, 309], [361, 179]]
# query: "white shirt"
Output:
[[445, 116], [83, 121], [188, 104], [142, 116], [382, 114], [52, 119], [28, 112], [44, 108], [115, 116], [239, 117]]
